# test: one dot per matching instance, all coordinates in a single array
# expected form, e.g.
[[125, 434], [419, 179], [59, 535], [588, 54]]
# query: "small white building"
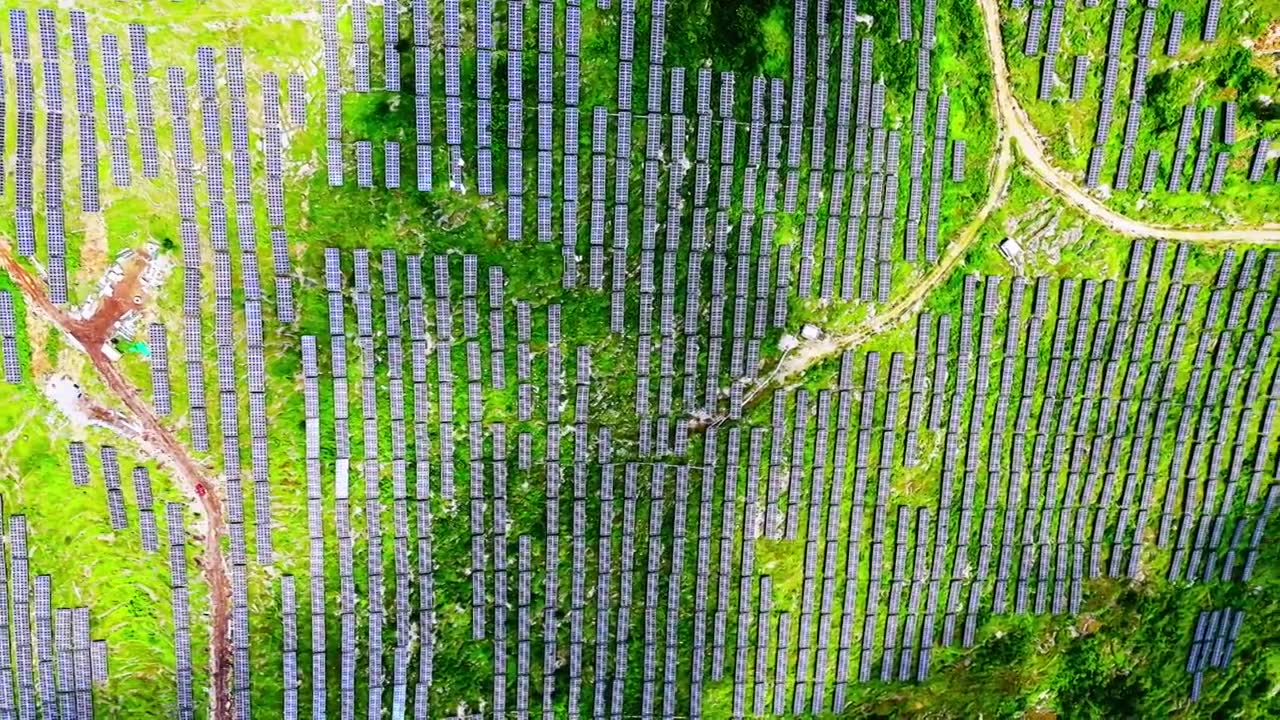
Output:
[[1011, 250]]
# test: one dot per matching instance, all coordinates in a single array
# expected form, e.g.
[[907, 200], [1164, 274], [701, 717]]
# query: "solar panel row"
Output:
[[1211, 16], [146, 510], [311, 397], [85, 111], [21, 617], [1111, 71], [11, 357], [1258, 165], [333, 90], [140, 60], [346, 562], [174, 521], [940, 133], [54, 218], [44, 656]]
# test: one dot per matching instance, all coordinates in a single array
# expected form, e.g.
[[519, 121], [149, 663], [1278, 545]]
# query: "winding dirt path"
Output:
[[1014, 128], [1023, 132], [141, 424]]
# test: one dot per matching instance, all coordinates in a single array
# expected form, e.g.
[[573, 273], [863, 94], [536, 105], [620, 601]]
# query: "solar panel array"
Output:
[[1174, 42], [81, 648], [626, 557], [604, 576], [1210, 168], [146, 509], [297, 84], [315, 519], [1106, 108], [360, 47], [86, 112], [333, 91], [20, 579], [115, 493], [100, 670], [1259, 526], [501, 594], [524, 581], [484, 96], [140, 62], [1150, 171], [1035, 23], [422, 48], [399, 476], [117, 128], [919, 114], [940, 130], [572, 81], [6, 657], [55, 221], [1258, 165], [958, 149], [42, 612], [224, 333], [795, 123], [342, 493], [174, 520], [1049, 64], [67, 706], [158, 346], [247, 237], [719, 260], [622, 164], [444, 378], [1208, 118], [79, 463], [289, 619], [192, 290], [25, 127], [9, 354], [554, 479], [1211, 16], [453, 92], [1079, 76], [545, 116], [875, 190], [515, 120], [274, 162], [371, 467], [875, 201], [1212, 644]]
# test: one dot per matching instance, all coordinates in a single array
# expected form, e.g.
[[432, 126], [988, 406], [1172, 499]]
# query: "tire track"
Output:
[[141, 425]]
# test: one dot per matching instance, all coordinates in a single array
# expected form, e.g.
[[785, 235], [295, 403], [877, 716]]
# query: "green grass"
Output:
[[1020, 663], [1202, 74]]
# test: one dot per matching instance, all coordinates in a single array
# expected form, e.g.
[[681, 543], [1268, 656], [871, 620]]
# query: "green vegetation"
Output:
[[1201, 75], [1122, 657]]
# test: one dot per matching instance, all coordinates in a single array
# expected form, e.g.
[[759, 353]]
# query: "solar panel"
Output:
[[1258, 164], [1229, 123], [1219, 172], [1079, 74], [1150, 171], [1174, 41], [140, 62], [957, 160]]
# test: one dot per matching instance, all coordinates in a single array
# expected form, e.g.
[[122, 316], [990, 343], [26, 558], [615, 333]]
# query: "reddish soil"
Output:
[[96, 330], [1269, 42], [91, 334]]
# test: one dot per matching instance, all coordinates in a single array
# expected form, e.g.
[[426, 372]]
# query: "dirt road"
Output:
[[1013, 127], [1019, 127], [158, 443]]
